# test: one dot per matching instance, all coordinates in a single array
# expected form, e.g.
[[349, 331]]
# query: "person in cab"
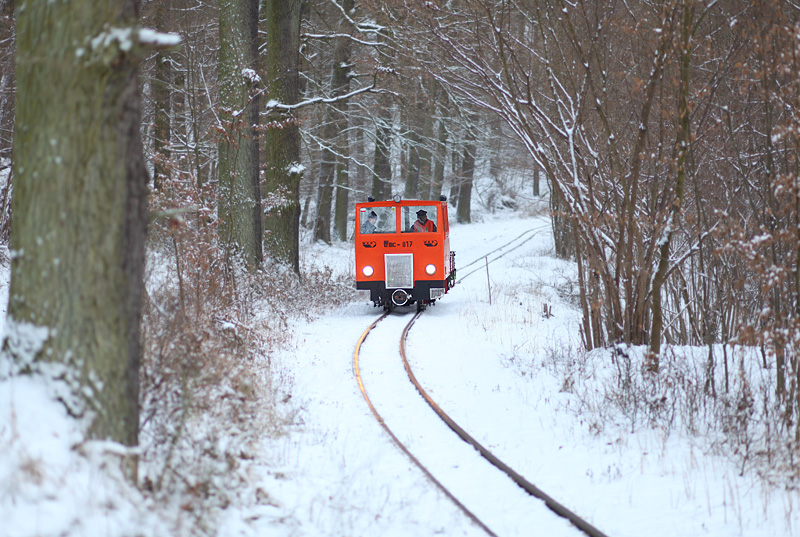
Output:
[[369, 225], [423, 225]]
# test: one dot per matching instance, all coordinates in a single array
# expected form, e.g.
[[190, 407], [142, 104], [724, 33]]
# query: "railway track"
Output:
[[499, 252], [553, 505]]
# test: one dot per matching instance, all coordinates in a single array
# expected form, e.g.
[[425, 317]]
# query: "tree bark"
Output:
[[466, 176], [413, 168], [382, 167], [7, 82], [439, 159], [340, 84], [282, 169], [239, 195], [80, 201], [327, 175], [162, 97]]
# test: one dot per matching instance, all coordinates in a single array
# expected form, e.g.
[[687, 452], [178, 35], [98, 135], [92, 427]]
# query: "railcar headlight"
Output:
[[430, 270], [367, 271]]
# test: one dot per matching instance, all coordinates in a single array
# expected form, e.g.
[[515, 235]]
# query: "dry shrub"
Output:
[[615, 388], [208, 395]]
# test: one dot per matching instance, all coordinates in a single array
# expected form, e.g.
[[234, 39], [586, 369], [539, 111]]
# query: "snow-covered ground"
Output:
[[497, 368]]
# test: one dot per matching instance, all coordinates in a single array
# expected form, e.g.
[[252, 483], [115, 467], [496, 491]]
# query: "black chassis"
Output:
[[420, 293]]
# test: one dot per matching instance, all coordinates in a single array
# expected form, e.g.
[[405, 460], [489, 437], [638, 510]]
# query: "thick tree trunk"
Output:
[[342, 200], [80, 202], [425, 179], [382, 167], [282, 167], [239, 195]]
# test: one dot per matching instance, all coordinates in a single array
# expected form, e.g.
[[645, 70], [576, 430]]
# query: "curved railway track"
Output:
[[501, 251], [530, 488], [397, 441]]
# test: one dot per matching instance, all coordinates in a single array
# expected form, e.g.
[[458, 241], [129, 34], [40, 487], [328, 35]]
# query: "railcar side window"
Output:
[[419, 218], [378, 220]]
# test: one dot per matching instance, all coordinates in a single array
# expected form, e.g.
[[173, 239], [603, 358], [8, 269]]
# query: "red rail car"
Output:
[[403, 252]]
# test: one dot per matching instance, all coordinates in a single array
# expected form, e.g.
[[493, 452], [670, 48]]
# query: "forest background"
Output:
[[667, 133]]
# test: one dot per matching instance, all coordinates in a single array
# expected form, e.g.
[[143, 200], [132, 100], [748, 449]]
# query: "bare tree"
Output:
[[759, 236], [334, 153], [557, 74], [161, 90]]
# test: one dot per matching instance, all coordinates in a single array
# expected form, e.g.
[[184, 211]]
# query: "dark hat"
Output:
[[422, 211], [372, 214]]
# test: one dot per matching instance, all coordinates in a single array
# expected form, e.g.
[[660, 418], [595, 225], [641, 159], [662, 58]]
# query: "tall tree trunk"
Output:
[[342, 199], [282, 155], [239, 194], [425, 179], [495, 147], [340, 84], [327, 175], [439, 155], [80, 202], [161, 91], [361, 183], [455, 187], [413, 168], [382, 167], [465, 178], [683, 146], [7, 83]]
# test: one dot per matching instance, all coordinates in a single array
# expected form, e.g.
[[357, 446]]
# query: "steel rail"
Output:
[[489, 261], [526, 485], [397, 441], [536, 229]]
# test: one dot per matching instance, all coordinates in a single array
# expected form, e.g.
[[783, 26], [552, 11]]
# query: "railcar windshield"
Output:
[[378, 220], [419, 219]]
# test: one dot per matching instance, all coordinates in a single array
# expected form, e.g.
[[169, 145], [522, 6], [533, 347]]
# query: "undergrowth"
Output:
[[209, 396], [741, 421], [731, 406]]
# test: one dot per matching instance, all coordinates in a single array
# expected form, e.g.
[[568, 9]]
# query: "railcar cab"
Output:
[[402, 250]]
